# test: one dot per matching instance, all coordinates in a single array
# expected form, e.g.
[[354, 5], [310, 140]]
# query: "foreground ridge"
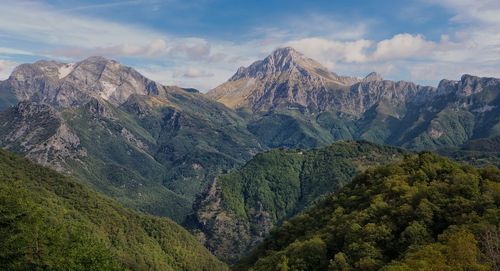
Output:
[[49, 221]]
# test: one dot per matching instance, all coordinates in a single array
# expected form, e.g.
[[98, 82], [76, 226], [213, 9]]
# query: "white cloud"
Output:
[[435, 71], [403, 46], [398, 47], [193, 48], [473, 47], [155, 48], [62, 33], [198, 78], [192, 72], [472, 11], [13, 51], [38, 23], [333, 51], [474, 44], [6, 67]]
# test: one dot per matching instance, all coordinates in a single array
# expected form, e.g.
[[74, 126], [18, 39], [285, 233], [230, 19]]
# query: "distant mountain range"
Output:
[[291, 100], [155, 148]]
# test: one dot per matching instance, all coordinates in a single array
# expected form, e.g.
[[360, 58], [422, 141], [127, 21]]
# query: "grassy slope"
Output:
[[48, 221], [423, 213]]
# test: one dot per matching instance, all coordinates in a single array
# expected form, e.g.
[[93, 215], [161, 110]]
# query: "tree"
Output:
[[490, 247], [462, 252], [283, 264], [339, 263]]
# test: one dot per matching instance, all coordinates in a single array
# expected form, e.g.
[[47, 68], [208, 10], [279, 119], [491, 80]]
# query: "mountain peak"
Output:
[[373, 76], [284, 77], [286, 52], [73, 84], [97, 59], [285, 60]]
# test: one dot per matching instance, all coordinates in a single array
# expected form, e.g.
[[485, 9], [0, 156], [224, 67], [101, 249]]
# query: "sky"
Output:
[[202, 43]]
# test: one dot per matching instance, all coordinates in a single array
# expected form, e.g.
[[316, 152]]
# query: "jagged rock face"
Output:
[[222, 232], [362, 96], [74, 84], [41, 134], [468, 85], [287, 61], [373, 76]]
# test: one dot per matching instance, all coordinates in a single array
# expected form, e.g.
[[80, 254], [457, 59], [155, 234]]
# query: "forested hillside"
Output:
[[241, 207], [50, 222], [424, 213]]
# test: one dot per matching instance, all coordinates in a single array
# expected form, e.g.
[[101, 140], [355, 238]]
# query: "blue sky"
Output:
[[202, 43]]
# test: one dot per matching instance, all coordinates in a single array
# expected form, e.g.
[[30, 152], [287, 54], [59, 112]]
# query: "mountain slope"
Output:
[[478, 152], [423, 213], [150, 146], [289, 94], [50, 222], [240, 208]]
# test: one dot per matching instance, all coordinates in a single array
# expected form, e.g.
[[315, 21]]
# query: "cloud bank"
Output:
[[473, 46]]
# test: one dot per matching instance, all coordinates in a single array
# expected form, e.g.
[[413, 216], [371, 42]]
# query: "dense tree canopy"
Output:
[[424, 213]]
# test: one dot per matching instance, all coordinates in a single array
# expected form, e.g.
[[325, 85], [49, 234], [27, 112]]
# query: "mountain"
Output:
[[241, 207], [150, 146], [67, 85], [423, 213], [293, 101], [51, 222], [284, 78]]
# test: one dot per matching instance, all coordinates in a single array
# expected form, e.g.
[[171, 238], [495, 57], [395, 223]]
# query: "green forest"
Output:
[[50, 222], [274, 186], [423, 213]]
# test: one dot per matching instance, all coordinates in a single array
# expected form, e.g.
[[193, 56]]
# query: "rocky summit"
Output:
[[72, 84], [284, 77]]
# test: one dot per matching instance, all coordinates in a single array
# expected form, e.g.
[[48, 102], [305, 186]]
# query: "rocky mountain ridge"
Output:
[[290, 100], [152, 147], [74, 84], [288, 78]]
